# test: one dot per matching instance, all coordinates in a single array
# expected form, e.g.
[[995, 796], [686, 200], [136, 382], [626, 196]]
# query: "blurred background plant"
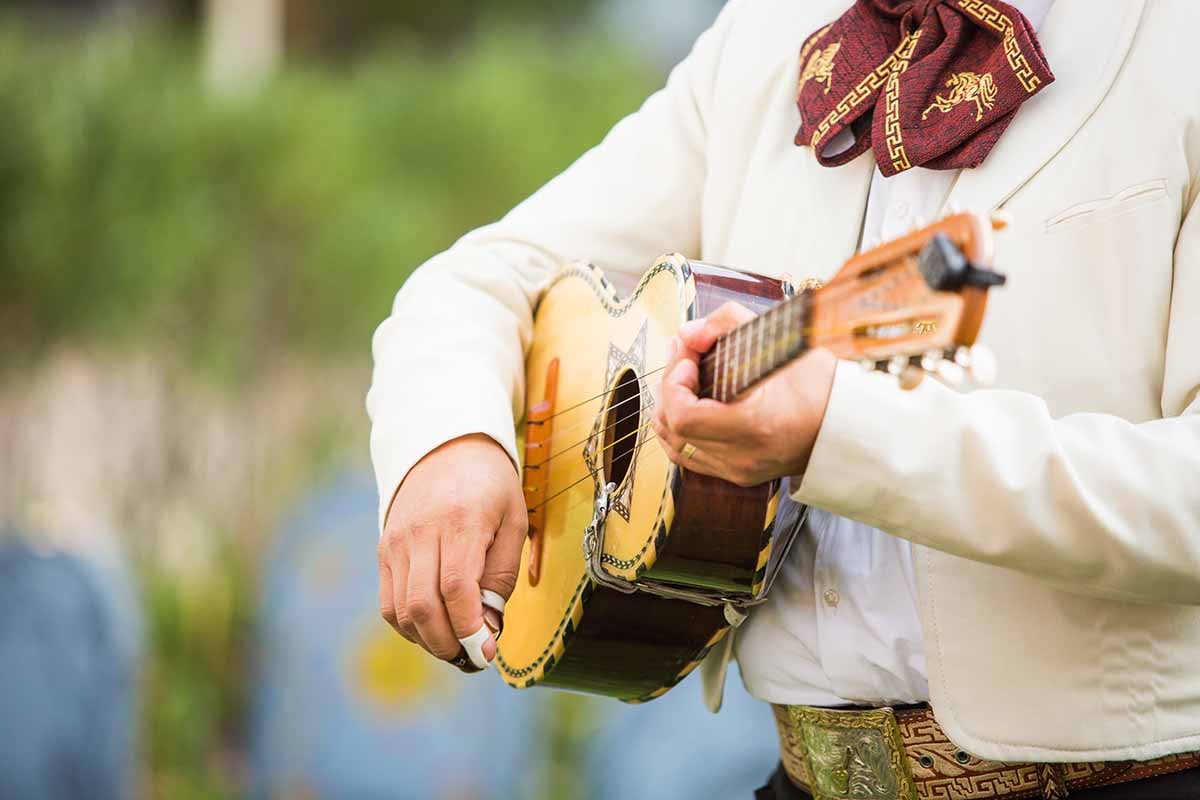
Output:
[[193, 259]]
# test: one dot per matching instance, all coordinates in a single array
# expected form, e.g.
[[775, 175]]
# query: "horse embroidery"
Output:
[[820, 67], [966, 87]]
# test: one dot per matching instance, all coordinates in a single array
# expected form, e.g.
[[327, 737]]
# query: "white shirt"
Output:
[[841, 624]]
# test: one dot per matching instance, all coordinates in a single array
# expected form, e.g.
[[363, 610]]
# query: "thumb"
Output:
[[700, 334]]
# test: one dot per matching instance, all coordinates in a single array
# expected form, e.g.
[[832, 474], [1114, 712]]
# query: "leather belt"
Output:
[[903, 754]]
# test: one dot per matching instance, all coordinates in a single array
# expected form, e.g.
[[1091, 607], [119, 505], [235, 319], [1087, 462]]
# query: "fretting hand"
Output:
[[766, 433]]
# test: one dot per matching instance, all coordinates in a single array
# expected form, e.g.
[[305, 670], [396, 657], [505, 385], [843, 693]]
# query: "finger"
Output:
[[688, 417], [678, 392], [700, 460], [700, 334], [670, 440], [693, 418], [424, 602], [503, 558], [686, 374], [398, 567], [462, 568], [387, 600], [493, 611]]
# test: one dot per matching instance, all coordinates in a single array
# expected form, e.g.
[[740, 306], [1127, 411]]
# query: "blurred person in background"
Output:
[[69, 649], [1009, 578]]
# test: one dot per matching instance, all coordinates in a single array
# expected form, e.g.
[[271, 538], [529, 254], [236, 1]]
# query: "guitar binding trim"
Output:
[[593, 550]]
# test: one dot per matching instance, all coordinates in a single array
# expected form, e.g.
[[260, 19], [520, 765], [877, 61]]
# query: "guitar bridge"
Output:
[[539, 430]]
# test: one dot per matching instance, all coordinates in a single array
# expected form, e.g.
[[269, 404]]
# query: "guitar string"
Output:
[[706, 366], [703, 364], [603, 394], [585, 499], [598, 469], [831, 285], [571, 447], [589, 421], [706, 376]]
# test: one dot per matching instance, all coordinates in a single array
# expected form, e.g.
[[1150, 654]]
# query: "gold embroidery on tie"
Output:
[[865, 88], [989, 15], [891, 98], [964, 88], [820, 67], [812, 40]]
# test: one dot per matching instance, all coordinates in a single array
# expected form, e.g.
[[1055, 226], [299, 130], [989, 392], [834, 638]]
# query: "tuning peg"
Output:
[[982, 367], [951, 373], [908, 374], [910, 377], [930, 360]]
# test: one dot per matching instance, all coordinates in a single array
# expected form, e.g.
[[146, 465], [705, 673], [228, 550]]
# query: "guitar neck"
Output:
[[747, 354]]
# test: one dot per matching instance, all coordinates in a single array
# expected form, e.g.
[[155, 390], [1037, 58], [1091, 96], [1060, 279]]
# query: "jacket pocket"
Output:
[[1106, 207]]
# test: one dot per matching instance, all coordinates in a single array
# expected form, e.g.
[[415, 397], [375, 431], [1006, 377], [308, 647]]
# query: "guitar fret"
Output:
[[771, 335], [751, 356], [758, 354], [737, 359], [745, 361], [722, 368], [787, 330]]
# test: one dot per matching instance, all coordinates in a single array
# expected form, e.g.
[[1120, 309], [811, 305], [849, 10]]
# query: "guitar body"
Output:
[[634, 567], [603, 356]]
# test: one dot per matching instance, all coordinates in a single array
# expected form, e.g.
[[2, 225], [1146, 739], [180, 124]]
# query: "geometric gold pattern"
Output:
[[891, 98], [992, 17], [865, 88]]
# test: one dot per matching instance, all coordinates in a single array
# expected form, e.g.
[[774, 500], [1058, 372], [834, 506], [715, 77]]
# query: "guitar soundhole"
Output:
[[621, 427]]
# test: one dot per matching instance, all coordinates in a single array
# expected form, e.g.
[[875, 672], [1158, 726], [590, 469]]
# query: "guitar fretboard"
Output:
[[746, 355]]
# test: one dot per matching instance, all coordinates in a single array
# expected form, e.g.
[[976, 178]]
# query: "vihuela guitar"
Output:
[[635, 567]]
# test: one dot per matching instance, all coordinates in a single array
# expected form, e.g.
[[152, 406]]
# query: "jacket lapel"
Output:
[[1086, 44]]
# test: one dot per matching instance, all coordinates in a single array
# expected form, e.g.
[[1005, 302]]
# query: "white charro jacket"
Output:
[[1057, 516]]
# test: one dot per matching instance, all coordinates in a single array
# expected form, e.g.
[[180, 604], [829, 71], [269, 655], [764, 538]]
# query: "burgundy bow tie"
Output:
[[929, 83]]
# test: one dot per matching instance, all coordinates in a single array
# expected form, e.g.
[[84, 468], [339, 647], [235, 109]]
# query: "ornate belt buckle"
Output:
[[853, 755]]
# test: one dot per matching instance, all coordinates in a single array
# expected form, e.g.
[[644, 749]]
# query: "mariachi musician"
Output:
[[1013, 573]]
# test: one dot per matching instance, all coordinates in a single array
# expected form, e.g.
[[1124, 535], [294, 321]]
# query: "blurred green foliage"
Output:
[[137, 206], [139, 210], [315, 26]]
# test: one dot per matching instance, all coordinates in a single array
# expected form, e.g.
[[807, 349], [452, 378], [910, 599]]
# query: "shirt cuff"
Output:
[[397, 445]]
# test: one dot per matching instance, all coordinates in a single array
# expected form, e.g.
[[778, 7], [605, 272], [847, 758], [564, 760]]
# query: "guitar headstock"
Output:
[[913, 305]]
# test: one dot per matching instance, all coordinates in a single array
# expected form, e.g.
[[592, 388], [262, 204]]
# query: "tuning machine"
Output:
[[908, 371], [978, 362], [971, 367], [968, 367]]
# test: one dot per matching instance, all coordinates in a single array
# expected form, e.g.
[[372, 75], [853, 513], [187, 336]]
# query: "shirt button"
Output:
[[832, 598], [900, 209]]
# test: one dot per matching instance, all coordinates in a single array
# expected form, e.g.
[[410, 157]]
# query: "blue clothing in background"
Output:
[[68, 667]]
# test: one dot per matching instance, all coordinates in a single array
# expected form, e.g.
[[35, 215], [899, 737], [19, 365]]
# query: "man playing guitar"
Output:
[[1008, 578]]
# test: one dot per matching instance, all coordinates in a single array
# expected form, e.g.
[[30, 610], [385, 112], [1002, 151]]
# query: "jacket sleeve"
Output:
[[449, 360], [1092, 503]]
